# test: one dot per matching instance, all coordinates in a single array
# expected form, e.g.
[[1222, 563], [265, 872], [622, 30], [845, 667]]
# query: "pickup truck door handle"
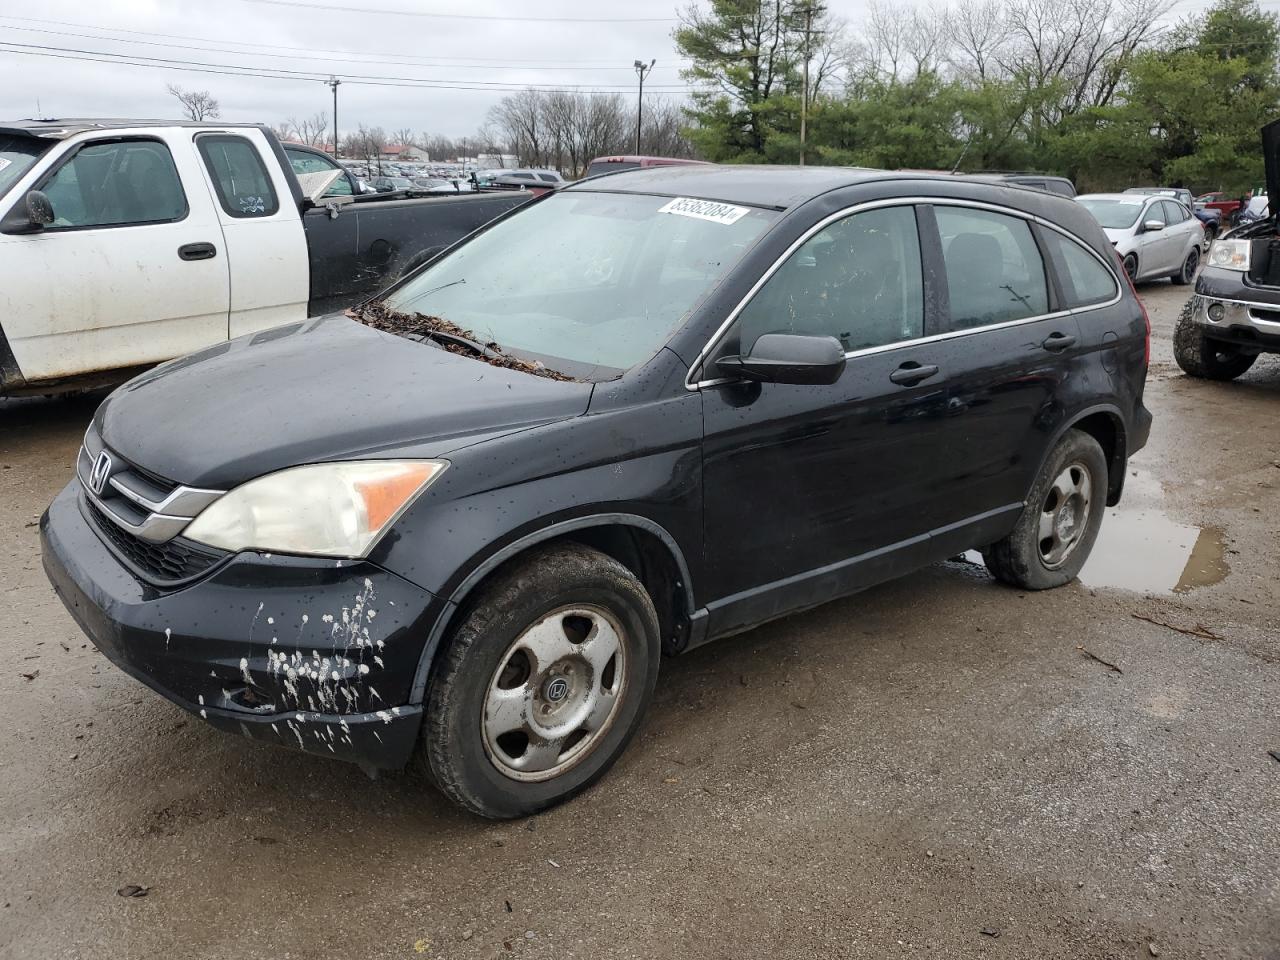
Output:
[[911, 373], [1057, 342], [197, 251]]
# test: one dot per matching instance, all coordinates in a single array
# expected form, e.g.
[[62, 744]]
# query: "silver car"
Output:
[[1155, 236]]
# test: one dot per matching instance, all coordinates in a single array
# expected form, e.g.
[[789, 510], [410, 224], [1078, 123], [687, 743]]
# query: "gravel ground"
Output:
[[936, 766]]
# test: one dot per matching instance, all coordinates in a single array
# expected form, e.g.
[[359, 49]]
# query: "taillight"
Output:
[[1146, 319]]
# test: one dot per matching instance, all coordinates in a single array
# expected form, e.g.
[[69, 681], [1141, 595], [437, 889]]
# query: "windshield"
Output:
[[1114, 214], [17, 154], [587, 283]]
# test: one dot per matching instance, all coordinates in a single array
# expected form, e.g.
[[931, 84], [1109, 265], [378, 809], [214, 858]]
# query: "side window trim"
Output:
[[700, 361], [207, 138], [937, 296], [75, 151]]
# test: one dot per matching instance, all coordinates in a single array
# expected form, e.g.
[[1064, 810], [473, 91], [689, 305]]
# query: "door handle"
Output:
[[911, 373], [197, 251], [1057, 342]]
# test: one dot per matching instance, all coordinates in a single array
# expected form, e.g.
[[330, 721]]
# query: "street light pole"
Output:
[[334, 82], [642, 69]]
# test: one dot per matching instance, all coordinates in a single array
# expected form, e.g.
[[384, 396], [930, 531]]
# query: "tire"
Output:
[[531, 629], [1131, 266], [1201, 356], [1210, 234], [1021, 559], [1187, 273]]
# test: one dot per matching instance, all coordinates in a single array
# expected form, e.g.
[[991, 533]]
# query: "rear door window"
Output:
[[994, 270], [1084, 280], [116, 183], [240, 177]]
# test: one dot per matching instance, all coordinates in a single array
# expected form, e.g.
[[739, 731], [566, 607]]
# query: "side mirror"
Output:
[[1152, 226], [32, 215], [788, 358]]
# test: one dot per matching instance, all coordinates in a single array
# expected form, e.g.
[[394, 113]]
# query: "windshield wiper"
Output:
[[443, 286], [443, 336]]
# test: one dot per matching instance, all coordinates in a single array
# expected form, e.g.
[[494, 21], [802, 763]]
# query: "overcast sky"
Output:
[[318, 37]]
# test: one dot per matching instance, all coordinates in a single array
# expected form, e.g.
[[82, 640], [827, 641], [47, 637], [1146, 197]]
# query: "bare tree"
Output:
[[979, 31], [366, 144], [197, 104], [404, 138]]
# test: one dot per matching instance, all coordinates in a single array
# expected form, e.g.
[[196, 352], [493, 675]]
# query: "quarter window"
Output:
[[858, 280], [116, 184], [239, 176], [994, 270], [1084, 280]]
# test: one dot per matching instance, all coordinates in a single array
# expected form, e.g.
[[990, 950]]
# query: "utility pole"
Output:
[[642, 69], [334, 82], [807, 12]]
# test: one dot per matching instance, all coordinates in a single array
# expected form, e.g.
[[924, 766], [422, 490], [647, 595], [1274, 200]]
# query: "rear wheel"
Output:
[[1210, 233], [1201, 356], [1060, 522], [1187, 273], [543, 683]]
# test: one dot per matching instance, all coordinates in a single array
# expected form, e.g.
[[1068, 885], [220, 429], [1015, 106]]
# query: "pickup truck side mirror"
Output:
[[788, 358], [1152, 226], [32, 215]]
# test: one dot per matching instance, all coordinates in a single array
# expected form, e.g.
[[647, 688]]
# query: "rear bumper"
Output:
[[309, 654]]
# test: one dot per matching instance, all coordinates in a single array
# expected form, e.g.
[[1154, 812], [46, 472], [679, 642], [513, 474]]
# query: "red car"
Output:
[[1217, 200]]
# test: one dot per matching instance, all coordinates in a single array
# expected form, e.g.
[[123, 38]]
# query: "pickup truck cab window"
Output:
[[240, 178], [995, 273], [115, 183], [858, 280]]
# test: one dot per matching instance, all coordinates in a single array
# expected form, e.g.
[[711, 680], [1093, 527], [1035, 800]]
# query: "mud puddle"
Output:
[[1142, 548]]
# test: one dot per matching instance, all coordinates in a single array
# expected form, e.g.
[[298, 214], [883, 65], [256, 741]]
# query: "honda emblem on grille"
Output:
[[101, 473]]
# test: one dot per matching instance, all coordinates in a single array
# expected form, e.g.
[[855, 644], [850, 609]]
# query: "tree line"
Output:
[[1094, 90]]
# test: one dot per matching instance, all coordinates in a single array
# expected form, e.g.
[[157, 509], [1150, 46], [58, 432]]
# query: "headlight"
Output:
[[325, 509], [1230, 254]]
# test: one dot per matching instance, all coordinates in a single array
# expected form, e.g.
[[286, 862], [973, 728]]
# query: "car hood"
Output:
[[1118, 236], [325, 389]]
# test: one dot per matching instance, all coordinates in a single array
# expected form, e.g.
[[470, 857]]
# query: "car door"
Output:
[[812, 491], [1185, 227], [132, 270], [1010, 352], [266, 246]]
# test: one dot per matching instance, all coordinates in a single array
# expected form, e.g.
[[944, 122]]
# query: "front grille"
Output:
[[161, 563]]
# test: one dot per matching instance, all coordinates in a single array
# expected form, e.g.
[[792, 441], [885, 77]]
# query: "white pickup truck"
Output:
[[124, 243]]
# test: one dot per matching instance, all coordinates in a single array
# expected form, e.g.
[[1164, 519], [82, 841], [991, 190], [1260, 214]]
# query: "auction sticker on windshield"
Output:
[[705, 210]]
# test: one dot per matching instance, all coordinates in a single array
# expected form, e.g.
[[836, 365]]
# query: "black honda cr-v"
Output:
[[635, 415]]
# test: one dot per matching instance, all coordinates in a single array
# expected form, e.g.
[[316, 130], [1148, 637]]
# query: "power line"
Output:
[[272, 47], [360, 60], [137, 60], [457, 16]]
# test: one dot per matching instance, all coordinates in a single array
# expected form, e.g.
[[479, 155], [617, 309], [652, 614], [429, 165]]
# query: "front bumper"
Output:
[[318, 655], [1247, 320]]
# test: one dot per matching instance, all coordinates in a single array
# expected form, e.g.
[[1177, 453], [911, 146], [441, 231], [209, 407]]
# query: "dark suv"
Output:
[[1235, 313], [641, 413]]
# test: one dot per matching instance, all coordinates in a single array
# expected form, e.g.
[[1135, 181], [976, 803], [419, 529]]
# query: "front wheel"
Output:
[[1060, 522], [1131, 265], [1201, 356], [1187, 273], [543, 683]]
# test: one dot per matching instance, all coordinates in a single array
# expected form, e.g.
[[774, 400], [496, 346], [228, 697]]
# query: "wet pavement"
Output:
[[940, 766]]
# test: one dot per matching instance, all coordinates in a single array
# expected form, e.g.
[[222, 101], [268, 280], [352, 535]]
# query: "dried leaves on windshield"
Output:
[[381, 317]]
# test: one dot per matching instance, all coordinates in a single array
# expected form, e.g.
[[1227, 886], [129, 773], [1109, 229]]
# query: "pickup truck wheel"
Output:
[[1060, 522], [1131, 265], [542, 684], [1189, 267], [1201, 356]]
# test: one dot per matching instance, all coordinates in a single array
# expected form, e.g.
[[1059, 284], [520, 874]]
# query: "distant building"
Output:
[[403, 151]]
